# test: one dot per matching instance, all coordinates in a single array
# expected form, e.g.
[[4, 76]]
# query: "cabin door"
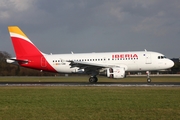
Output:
[[43, 62], [148, 59]]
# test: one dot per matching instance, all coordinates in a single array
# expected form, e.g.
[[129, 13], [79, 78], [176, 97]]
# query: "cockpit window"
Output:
[[161, 57]]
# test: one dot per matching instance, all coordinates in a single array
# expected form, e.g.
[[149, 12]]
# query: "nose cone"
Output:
[[170, 63]]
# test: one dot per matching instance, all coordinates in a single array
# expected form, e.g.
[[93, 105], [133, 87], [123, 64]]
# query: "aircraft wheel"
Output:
[[93, 79], [149, 80]]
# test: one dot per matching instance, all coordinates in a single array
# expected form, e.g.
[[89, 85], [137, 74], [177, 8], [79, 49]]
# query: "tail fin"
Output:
[[27, 54], [23, 47]]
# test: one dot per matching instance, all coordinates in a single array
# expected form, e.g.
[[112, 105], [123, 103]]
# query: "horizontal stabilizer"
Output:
[[16, 61]]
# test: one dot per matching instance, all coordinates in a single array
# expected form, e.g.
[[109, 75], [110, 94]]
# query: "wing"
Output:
[[89, 66]]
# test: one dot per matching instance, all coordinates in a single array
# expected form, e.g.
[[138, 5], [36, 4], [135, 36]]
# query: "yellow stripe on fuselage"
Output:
[[17, 30]]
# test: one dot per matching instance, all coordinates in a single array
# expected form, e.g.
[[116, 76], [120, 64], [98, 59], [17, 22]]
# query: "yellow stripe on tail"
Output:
[[17, 30]]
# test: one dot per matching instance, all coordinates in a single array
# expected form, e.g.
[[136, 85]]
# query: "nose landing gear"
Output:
[[148, 77]]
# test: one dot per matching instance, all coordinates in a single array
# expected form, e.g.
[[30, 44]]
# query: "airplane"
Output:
[[112, 64]]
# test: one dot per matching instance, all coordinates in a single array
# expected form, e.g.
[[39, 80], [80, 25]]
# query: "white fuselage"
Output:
[[131, 61]]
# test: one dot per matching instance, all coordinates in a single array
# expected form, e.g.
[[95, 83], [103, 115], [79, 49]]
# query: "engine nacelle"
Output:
[[116, 72]]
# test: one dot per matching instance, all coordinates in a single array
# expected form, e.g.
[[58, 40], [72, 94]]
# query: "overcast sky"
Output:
[[62, 26]]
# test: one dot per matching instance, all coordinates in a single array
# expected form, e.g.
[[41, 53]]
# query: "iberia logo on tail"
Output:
[[22, 44], [27, 54]]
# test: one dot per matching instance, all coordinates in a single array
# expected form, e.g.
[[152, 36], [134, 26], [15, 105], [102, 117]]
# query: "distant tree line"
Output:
[[16, 70], [176, 68]]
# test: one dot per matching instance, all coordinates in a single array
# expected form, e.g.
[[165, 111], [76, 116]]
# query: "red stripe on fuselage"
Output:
[[36, 63], [25, 50]]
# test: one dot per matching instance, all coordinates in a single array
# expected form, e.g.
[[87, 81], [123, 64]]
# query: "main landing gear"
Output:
[[93, 79], [148, 77]]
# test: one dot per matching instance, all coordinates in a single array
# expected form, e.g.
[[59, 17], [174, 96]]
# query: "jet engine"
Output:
[[116, 72]]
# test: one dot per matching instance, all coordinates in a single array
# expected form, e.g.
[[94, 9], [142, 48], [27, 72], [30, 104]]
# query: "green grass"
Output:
[[89, 103]]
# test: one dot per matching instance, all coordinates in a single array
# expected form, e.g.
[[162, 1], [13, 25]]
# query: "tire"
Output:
[[149, 80], [93, 79]]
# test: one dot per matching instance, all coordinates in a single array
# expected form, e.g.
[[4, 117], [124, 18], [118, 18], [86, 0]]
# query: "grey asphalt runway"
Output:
[[120, 84]]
